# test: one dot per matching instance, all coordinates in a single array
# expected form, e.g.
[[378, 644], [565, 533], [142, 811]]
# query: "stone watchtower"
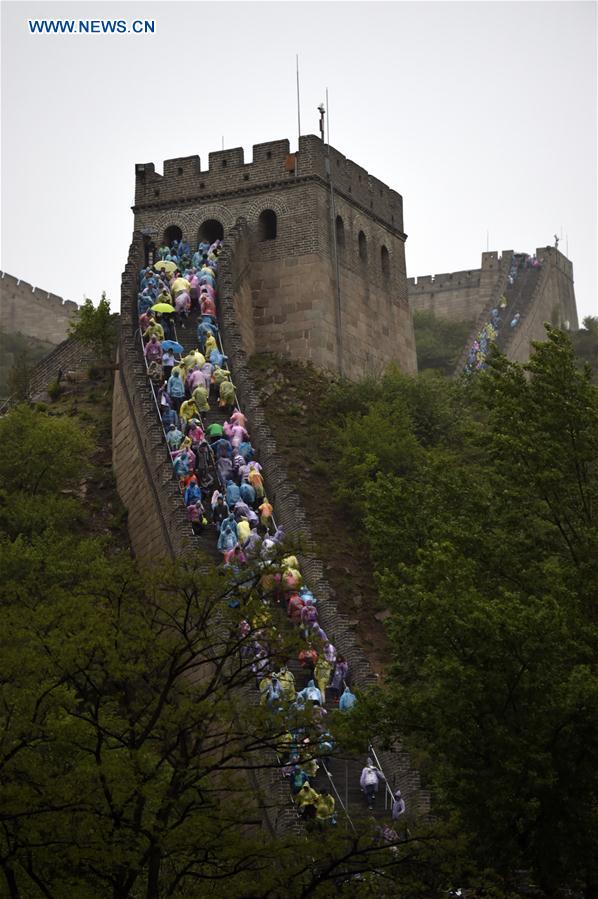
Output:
[[325, 276]]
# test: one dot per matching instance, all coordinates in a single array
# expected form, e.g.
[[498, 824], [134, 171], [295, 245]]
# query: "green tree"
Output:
[[438, 341], [585, 344], [486, 547], [131, 744], [95, 326]]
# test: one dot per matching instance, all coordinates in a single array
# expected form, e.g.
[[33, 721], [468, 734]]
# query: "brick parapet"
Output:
[[234, 269], [498, 289], [69, 356], [158, 525], [290, 512], [34, 312], [273, 166]]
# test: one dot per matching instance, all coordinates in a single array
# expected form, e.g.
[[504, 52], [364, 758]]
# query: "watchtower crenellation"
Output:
[[327, 247], [227, 172]]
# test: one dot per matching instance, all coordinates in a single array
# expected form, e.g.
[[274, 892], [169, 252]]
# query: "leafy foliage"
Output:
[[132, 748], [585, 344], [438, 341], [19, 353], [95, 326], [485, 537]]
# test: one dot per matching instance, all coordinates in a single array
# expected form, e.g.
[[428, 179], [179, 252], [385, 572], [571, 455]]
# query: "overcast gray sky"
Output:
[[481, 114]]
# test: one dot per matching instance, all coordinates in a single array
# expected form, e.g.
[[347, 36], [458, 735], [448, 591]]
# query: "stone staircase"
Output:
[[339, 773]]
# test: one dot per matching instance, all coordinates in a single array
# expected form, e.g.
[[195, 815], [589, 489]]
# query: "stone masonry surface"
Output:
[[156, 515], [469, 296], [289, 292], [33, 312]]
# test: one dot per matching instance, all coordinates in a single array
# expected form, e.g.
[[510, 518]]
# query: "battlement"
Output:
[[554, 257], [446, 280], [183, 179], [9, 283], [32, 311]]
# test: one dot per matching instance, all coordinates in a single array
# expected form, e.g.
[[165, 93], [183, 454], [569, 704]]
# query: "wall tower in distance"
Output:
[[346, 311]]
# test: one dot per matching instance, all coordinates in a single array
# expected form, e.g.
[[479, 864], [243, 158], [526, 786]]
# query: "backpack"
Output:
[[371, 777]]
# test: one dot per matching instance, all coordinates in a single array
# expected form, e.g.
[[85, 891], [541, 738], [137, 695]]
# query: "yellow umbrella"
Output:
[[165, 266], [162, 307]]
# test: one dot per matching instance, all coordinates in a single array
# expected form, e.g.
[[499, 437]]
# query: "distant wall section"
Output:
[[470, 295], [456, 296], [33, 312], [553, 302]]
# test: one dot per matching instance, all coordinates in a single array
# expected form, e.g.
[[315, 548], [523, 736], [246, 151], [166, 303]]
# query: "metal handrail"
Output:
[[388, 793], [7, 404], [338, 796]]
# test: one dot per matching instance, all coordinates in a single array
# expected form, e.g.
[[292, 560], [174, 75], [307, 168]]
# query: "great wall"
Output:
[[470, 296], [310, 269], [34, 312], [157, 521]]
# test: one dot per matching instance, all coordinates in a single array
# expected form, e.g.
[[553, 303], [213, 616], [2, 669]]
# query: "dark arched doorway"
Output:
[[385, 261], [340, 233], [267, 225], [210, 230], [363, 246], [172, 233]]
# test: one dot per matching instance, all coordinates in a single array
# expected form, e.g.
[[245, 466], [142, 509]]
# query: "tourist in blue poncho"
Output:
[[227, 538], [192, 493], [310, 694], [233, 494], [247, 493], [245, 449], [347, 700]]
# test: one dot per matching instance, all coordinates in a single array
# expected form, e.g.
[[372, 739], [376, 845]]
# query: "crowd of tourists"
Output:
[[500, 315], [223, 489]]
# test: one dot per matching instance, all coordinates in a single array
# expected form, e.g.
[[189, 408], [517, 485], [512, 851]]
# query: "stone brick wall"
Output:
[[157, 522], [291, 515], [183, 181], [467, 295], [158, 525], [33, 312], [553, 301], [69, 356], [457, 296], [294, 308]]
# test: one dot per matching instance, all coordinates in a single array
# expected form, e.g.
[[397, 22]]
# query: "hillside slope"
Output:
[[296, 400]]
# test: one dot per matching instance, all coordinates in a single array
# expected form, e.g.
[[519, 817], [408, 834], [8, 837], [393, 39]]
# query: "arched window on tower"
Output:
[[172, 233], [267, 226], [210, 230], [340, 234], [385, 261], [363, 247]]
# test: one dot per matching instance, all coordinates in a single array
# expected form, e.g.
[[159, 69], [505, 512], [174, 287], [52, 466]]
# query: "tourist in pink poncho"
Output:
[[238, 435], [153, 350], [194, 379]]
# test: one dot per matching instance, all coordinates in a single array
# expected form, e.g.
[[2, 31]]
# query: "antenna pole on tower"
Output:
[[298, 117], [336, 261], [322, 111]]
